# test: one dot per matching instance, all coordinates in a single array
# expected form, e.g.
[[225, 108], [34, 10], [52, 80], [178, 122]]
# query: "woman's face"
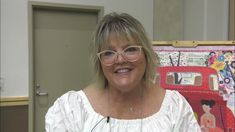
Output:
[[124, 75], [206, 108]]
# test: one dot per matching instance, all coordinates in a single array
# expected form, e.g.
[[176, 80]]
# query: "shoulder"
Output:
[[65, 103], [70, 98], [182, 113], [67, 100], [93, 88], [177, 104], [60, 116], [174, 97], [95, 94]]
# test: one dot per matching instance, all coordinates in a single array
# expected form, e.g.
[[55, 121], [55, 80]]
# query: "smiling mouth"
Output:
[[123, 70]]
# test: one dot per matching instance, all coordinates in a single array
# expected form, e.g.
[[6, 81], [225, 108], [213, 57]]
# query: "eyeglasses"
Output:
[[131, 54]]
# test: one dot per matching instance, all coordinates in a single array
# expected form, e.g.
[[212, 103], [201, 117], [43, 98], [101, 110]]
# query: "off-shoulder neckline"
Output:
[[163, 108]]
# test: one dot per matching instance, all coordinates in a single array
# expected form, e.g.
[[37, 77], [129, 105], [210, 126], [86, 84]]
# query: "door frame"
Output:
[[56, 6]]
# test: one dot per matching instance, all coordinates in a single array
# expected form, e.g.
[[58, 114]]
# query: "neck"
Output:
[[118, 95], [126, 105]]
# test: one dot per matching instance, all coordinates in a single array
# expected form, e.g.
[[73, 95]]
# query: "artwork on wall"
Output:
[[205, 75]]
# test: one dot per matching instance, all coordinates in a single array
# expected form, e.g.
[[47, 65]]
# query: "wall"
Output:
[[168, 19], [14, 36], [231, 20], [205, 20], [191, 19], [14, 118], [14, 48]]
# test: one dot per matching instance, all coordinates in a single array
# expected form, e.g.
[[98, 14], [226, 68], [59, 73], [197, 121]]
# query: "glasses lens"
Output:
[[107, 57], [132, 53]]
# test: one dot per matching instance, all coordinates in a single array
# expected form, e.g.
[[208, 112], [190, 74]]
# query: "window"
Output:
[[184, 78]]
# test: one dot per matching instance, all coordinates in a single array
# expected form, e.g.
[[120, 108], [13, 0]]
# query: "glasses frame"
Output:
[[119, 53]]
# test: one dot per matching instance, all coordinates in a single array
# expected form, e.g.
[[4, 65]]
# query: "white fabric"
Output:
[[73, 112]]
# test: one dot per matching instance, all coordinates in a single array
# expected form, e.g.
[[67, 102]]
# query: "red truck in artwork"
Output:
[[199, 85]]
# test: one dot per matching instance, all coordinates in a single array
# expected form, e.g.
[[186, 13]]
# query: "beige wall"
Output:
[[191, 19], [231, 20], [168, 20]]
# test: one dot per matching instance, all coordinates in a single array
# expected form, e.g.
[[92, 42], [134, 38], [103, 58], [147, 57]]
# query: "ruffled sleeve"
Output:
[[66, 114], [185, 120]]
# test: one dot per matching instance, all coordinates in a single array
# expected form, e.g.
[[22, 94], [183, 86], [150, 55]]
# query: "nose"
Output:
[[120, 58]]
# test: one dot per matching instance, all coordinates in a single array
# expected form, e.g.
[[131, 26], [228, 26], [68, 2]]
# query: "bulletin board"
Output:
[[202, 57]]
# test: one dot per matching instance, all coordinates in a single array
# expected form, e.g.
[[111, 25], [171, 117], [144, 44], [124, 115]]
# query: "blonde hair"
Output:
[[126, 26]]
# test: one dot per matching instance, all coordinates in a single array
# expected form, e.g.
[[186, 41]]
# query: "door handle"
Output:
[[41, 93], [38, 92]]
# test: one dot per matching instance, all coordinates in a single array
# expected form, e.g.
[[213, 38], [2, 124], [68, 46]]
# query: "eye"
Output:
[[107, 54], [131, 49]]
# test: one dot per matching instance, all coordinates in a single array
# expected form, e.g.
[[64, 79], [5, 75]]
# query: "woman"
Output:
[[208, 120], [124, 97]]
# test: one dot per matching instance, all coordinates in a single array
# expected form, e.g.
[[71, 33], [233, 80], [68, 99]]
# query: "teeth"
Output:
[[122, 70]]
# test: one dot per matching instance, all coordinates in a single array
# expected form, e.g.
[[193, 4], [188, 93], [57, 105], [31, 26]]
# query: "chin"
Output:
[[124, 79], [124, 85]]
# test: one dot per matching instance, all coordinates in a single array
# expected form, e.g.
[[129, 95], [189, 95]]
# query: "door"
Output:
[[61, 39]]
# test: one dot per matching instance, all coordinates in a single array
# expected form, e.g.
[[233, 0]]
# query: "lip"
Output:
[[123, 70]]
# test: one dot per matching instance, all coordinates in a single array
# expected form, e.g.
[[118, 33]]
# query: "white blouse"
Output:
[[72, 112]]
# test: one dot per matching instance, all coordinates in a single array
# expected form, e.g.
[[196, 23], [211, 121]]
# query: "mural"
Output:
[[215, 110], [224, 63]]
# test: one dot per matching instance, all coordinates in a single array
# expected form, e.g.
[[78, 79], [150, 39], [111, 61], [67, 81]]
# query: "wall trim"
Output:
[[13, 101], [193, 43]]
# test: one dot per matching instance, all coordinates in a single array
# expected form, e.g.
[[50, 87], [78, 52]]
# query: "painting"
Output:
[[205, 76]]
